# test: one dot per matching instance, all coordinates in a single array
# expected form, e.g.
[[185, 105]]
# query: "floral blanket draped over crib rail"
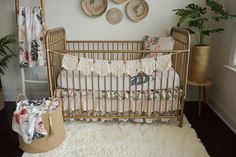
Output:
[[31, 32]]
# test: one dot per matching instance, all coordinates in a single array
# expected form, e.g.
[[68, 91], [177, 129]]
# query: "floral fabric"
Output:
[[31, 32], [157, 43], [27, 121]]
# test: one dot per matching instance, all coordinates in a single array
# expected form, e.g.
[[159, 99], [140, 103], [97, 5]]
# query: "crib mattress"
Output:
[[116, 83]]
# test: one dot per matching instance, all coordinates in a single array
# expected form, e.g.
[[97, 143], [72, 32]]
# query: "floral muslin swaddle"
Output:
[[31, 33], [27, 121]]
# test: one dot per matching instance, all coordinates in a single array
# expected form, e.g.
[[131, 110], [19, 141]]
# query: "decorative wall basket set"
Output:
[[136, 10]]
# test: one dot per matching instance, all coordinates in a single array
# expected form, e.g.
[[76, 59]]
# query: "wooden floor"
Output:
[[8, 138], [216, 136], [218, 139]]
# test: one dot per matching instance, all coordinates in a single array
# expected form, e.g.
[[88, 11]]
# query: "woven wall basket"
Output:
[[119, 1]]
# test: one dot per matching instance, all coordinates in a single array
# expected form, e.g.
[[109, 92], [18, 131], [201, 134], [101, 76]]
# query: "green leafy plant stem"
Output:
[[6, 52]]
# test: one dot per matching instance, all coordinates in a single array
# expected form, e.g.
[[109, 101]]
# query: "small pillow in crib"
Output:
[[157, 43]]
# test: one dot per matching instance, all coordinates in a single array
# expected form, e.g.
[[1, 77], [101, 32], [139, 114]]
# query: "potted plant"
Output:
[[6, 54], [200, 21]]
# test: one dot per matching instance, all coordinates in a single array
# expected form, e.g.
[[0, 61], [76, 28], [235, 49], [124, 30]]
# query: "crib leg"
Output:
[[181, 122], [182, 113]]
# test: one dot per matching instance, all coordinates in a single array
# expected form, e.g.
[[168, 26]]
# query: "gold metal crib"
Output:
[[113, 97]]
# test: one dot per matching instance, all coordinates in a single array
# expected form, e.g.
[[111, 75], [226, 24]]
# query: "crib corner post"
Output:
[[181, 122]]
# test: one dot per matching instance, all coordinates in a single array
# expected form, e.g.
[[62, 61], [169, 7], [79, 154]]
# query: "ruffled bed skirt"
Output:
[[119, 104]]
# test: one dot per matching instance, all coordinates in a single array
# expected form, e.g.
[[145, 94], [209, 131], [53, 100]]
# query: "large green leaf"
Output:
[[216, 7], [197, 22], [6, 51], [196, 8], [218, 18], [191, 11], [216, 30], [8, 39], [4, 61]]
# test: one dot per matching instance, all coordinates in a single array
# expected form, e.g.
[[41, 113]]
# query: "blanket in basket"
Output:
[[27, 121]]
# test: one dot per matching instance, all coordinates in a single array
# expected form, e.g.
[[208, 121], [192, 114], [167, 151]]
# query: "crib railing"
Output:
[[107, 46], [124, 104]]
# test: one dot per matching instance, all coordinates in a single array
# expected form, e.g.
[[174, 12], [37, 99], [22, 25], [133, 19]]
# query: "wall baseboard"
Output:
[[227, 119]]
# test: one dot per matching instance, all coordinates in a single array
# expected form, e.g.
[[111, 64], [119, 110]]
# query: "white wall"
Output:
[[222, 95], [11, 81], [68, 13], [79, 26]]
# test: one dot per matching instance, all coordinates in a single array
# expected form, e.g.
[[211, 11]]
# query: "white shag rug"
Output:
[[126, 139]]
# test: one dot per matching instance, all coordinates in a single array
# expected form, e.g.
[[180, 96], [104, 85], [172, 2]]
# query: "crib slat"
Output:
[[111, 91], [73, 46], [99, 96], [61, 94], [166, 98], [124, 90], [83, 49], [73, 79], [123, 99], [105, 92], [160, 93], [154, 95], [136, 96], [123, 54], [86, 89], [117, 90], [54, 73], [68, 94], [142, 94], [132, 47], [77, 97], [148, 98], [112, 52], [127, 47], [92, 93], [80, 93], [130, 94], [173, 86]]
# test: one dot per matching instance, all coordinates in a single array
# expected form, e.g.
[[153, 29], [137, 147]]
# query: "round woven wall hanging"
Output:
[[119, 1], [94, 8], [137, 10], [114, 16]]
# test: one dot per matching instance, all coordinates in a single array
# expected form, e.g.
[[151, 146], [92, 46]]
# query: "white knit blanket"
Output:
[[127, 139]]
